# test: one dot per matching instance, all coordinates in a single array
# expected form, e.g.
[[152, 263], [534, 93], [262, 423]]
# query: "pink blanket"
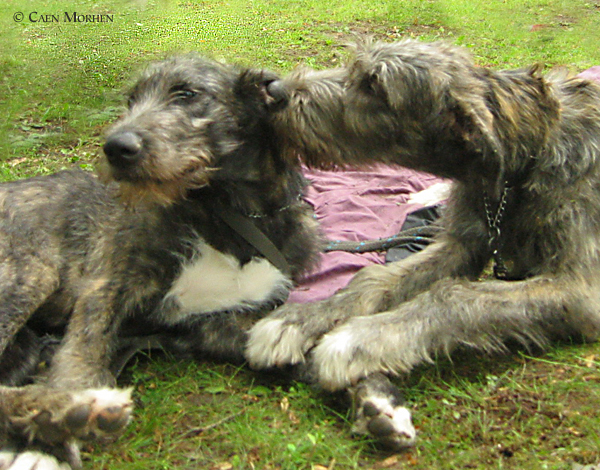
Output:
[[356, 205], [593, 73]]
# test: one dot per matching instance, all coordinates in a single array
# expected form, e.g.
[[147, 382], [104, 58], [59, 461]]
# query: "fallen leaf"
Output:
[[293, 418], [17, 161], [222, 466], [389, 462]]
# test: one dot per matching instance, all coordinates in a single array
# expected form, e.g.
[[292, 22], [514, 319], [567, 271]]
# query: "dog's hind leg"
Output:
[[22, 359], [218, 336], [453, 313], [25, 286], [26, 282]]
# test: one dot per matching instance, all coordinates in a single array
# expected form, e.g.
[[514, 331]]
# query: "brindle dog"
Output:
[[523, 150], [151, 251]]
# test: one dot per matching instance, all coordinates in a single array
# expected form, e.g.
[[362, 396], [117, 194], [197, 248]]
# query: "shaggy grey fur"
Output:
[[517, 139], [102, 262]]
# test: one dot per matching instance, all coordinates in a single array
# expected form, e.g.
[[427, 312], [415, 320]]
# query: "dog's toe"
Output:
[[389, 426], [57, 417], [99, 412], [380, 413]]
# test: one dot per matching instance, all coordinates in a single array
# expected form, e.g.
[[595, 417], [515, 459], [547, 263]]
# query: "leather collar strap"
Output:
[[245, 227]]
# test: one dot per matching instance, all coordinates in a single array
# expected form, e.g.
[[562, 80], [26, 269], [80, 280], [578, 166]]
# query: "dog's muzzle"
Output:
[[277, 95], [123, 149]]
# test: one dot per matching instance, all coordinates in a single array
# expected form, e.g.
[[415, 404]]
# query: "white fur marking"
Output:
[[214, 281], [339, 343], [403, 423], [106, 397], [434, 194], [30, 460], [333, 357], [274, 343], [400, 416]]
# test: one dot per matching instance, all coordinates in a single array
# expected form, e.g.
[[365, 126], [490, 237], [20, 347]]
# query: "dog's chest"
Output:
[[213, 281]]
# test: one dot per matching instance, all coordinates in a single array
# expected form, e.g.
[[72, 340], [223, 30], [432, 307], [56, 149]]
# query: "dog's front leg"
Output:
[[83, 359], [453, 313], [286, 335]]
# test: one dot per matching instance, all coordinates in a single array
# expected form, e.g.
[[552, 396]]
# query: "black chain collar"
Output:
[[494, 221]]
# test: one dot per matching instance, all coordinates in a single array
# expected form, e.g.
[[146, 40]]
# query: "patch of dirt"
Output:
[[565, 21], [49, 146], [324, 43], [344, 33]]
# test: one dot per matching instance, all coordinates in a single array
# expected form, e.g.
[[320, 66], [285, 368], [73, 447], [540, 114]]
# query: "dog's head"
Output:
[[184, 116], [384, 104], [422, 105]]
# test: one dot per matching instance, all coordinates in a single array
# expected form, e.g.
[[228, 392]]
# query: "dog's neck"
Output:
[[252, 199]]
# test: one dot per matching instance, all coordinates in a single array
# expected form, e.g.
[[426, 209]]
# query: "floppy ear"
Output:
[[474, 122], [369, 71], [250, 101]]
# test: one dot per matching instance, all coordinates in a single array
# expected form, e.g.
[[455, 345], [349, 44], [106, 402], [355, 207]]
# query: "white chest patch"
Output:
[[214, 281]]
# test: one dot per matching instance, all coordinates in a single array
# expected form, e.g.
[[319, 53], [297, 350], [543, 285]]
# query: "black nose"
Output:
[[278, 95], [123, 148]]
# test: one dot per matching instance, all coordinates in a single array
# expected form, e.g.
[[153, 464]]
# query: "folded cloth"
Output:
[[357, 205]]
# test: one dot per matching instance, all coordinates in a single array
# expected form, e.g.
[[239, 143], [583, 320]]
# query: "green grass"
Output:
[[61, 85], [62, 81]]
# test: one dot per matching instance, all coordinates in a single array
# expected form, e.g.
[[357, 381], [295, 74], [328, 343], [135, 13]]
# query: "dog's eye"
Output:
[[130, 101], [184, 95], [187, 94]]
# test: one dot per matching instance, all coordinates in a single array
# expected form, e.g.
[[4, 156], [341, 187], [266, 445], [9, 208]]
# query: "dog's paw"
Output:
[[389, 425], [352, 352], [379, 412], [30, 460], [59, 417], [276, 342], [386, 342], [284, 337], [339, 360]]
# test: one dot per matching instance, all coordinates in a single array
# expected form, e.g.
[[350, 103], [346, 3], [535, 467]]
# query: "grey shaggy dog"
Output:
[[523, 151], [148, 254]]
